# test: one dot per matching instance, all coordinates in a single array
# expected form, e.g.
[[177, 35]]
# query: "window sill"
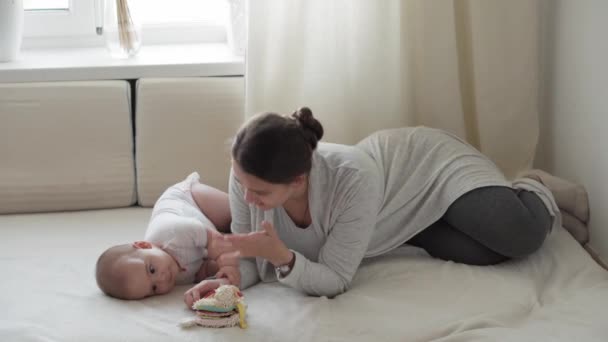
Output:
[[42, 65]]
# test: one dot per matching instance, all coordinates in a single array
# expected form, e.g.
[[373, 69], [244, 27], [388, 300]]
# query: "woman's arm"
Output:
[[344, 248], [241, 223], [339, 257]]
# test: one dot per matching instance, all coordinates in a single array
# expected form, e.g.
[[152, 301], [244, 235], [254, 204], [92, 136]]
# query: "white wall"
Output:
[[574, 119]]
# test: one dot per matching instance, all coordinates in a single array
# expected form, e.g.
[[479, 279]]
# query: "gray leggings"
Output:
[[487, 226]]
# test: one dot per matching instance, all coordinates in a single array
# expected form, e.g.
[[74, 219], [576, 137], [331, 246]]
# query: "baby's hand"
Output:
[[200, 289], [208, 268], [232, 273], [216, 244]]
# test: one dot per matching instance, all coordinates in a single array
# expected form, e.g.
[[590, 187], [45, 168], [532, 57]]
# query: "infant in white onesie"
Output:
[[174, 250], [178, 226]]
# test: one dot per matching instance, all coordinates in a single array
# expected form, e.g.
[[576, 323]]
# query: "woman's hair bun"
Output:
[[312, 128]]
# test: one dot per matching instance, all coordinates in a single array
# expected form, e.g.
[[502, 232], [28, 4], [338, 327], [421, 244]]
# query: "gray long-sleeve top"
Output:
[[365, 200]]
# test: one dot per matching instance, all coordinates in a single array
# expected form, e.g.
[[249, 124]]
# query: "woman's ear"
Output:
[[299, 180], [142, 245]]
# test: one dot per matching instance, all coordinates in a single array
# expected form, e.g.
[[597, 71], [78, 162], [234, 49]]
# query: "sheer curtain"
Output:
[[466, 66]]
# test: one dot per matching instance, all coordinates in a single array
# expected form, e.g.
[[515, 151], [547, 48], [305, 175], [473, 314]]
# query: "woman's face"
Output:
[[260, 193]]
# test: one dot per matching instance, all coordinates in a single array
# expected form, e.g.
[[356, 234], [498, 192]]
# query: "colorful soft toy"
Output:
[[221, 308]]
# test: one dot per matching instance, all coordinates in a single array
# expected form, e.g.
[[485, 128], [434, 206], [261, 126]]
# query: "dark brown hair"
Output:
[[277, 148]]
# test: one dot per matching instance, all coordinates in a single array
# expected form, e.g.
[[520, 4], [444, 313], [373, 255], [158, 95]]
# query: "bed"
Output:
[[75, 159], [49, 293]]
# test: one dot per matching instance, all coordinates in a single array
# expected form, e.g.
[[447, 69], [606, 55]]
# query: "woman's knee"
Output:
[[528, 236], [541, 221], [529, 228], [512, 223]]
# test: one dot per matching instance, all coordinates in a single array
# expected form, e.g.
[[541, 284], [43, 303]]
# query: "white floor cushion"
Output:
[[49, 294], [65, 146], [185, 125]]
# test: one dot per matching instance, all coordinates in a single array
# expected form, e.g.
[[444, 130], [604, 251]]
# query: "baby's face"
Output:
[[150, 271]]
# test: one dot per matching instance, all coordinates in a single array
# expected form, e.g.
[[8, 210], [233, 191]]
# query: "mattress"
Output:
[[48, 293]]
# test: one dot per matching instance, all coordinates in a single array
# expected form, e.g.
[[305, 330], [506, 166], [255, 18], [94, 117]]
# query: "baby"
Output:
[[181, 245]]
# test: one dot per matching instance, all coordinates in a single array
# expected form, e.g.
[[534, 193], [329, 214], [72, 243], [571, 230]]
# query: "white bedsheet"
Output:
[[48, 293]]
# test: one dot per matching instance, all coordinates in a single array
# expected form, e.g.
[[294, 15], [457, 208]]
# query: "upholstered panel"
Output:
[[185, 125], [65, 146]]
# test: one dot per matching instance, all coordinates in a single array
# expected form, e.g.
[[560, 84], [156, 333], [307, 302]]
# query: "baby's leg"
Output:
[[214, 204]]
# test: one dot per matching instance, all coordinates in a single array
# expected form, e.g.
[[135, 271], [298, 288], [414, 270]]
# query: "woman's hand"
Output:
[[228, 259], [199, 290], [217, 245], [233, 274], [265, 244]]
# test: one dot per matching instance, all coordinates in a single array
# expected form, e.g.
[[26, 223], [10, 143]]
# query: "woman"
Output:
[[307, 213]]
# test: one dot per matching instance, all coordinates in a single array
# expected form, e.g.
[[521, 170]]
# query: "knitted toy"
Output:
[[221, 308]]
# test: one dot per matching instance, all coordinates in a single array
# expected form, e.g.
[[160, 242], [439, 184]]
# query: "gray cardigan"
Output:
[[365, 200]]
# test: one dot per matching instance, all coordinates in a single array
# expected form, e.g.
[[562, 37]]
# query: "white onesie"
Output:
[[180, 228]]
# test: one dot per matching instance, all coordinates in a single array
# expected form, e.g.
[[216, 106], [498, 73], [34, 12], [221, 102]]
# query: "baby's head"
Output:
[[136, 271]]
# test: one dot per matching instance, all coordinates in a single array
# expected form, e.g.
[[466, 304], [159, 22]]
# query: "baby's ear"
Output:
[[142, 245]]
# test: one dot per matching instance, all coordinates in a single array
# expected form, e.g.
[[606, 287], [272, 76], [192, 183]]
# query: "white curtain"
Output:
[[466, 66]]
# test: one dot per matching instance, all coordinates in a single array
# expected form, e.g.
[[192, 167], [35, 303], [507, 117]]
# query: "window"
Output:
[[155, 12], [46, 5], [182, 21], [58, 18], [50, 23]]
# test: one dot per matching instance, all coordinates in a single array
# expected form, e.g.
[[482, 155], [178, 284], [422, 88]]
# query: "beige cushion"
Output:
[[65, 146], [185, 125]]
